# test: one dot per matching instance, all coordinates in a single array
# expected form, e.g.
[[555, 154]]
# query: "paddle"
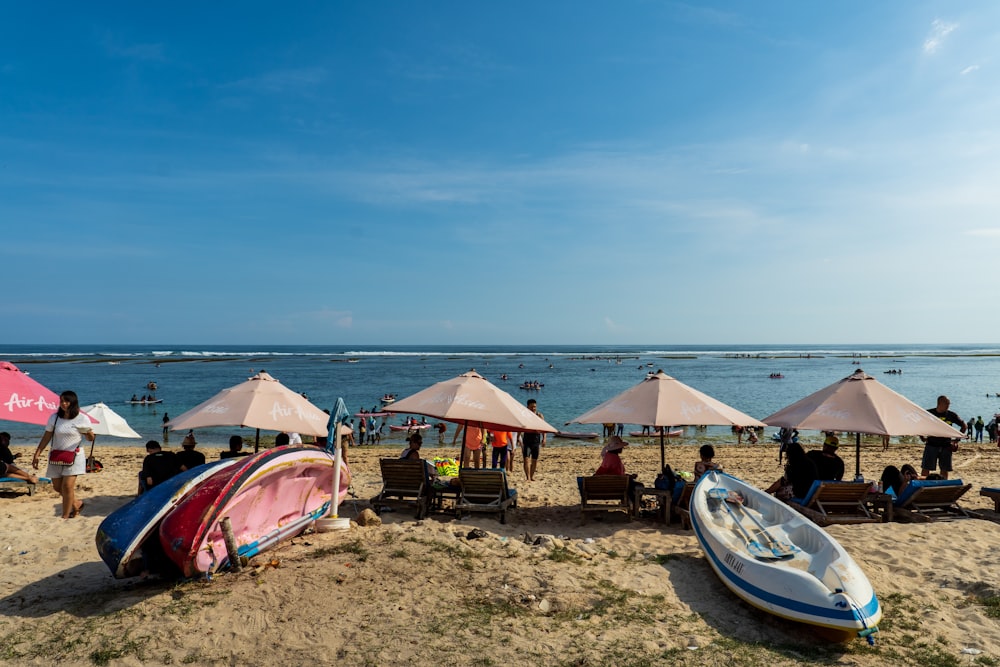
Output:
[[780, 549], [753, 546]]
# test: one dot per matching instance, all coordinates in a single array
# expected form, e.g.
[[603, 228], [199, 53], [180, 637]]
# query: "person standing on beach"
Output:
[[166, 431], [499, 441], [937, 451], [472, 439], [531, 442], [65, 429]]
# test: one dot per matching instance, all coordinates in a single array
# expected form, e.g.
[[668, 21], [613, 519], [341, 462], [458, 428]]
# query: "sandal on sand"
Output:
[[76, 511]]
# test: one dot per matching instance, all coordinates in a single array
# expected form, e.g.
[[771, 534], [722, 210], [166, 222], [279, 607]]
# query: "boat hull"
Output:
[[815, 581], [415, 427], [268, 497], [127, 539], [676, 433]]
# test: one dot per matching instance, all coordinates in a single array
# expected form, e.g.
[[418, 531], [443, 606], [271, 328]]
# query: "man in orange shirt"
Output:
[[499, 444]]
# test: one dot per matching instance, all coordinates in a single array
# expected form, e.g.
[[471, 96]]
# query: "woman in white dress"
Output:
[[65, 430]]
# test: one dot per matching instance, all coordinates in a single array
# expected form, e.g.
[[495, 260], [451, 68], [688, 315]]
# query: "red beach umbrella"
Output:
[[23, 399]]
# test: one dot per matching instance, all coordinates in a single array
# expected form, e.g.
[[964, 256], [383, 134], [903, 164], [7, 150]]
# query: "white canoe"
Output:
[[778, 561]]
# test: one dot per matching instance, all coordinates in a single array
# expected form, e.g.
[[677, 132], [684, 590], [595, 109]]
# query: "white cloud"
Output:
[[970, 69], [990, 232], [939, 30]]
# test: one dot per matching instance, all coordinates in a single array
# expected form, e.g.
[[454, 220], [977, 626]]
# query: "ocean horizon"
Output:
[[575, 377]]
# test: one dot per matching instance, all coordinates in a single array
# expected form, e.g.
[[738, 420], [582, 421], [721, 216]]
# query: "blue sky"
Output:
[[521, 172]]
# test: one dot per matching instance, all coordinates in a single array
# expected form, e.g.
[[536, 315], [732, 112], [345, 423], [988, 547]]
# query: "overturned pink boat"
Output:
[[268, 497]]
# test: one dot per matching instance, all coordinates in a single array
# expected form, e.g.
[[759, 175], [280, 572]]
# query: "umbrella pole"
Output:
[[663, 454], [461, 454], [337, 459], [857, 458], [256, 444], [92, 443]]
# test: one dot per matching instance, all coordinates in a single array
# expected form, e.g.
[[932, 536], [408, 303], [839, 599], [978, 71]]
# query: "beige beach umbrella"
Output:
[[261, 402], [472, 399], [861, 404], [663, 401]]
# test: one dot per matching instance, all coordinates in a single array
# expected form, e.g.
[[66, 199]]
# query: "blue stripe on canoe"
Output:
[[783, 602]]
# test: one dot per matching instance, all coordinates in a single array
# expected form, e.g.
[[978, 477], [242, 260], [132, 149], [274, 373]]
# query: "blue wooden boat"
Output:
[[123, 538]]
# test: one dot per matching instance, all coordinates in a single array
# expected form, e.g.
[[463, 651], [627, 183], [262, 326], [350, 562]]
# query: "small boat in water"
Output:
[[576, 436], [409, 427], [655, 433], [268, 497], [778, 561]]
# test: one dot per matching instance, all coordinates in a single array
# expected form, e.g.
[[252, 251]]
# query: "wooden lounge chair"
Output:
[[830, 502], [683, 503], [484, 491], [605, 493], [994, 495], [929, 500], [404, 483]]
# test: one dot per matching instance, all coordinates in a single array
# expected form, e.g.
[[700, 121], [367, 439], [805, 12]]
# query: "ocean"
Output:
[[576, 378]]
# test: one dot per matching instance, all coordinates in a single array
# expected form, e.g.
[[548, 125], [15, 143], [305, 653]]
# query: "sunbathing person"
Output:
[[895, 479], [800, 473], [11, 470]]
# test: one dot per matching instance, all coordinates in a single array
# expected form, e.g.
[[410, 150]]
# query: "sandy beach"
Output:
[[546, 588]]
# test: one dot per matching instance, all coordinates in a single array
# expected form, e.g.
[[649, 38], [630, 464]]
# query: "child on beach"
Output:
[[707, 453]]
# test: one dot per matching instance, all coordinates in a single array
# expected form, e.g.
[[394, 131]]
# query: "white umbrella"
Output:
[[110, 423]]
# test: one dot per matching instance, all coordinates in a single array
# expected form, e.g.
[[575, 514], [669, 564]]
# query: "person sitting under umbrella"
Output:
[[412, 451], [612, 464], [829, 466], [800, 473]]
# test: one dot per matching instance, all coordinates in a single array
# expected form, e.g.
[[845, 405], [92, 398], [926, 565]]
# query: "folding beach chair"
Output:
[[929, 500], [830, 502], [484, 491], [605, 493], [404, 483]]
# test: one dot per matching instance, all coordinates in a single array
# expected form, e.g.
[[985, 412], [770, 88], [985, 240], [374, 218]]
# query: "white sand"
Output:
[[604, 591]]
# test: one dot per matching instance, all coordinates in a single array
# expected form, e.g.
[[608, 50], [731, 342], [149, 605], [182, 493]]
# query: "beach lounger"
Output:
[[605, 493], [18, 484], [929, 500], [484, 491], [683, 502], [404, 483], [994, 495], [830, 502]]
